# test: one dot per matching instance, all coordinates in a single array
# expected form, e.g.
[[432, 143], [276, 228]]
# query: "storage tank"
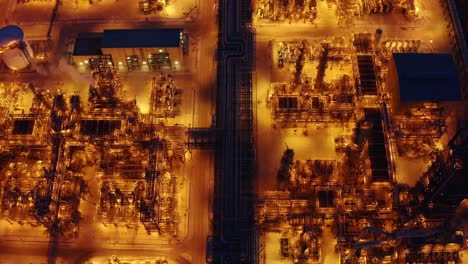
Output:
[[15, 51]]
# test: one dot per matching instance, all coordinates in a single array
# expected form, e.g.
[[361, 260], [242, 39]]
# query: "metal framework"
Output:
[[132, 63], [164, 99], [48, 214], [151, 6], [201, 138], [447, 174], [157, 61], [377, 147], [235, 235], [368, 81], [100, 62], [148, 215]]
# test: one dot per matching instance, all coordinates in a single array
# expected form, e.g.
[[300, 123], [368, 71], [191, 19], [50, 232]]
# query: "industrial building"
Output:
[[131, 49], [135, 154], [417, 78]]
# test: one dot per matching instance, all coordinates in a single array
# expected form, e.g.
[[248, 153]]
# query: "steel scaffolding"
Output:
[[235, 237], [148, 214]]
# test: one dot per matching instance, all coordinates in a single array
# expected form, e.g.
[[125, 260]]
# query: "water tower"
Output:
[[15, 51]]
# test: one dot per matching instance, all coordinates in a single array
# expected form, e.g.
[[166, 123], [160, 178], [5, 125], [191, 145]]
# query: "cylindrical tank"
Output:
[[15, 51]]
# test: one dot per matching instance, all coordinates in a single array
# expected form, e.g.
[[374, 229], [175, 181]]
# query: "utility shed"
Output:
[[418, 78]]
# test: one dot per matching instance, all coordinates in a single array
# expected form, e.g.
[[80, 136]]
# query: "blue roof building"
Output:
[[416, 78], [132, 48], [88, 44], [141, 38], [427, 77]]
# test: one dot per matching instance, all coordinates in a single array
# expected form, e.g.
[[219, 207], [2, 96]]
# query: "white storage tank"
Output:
[[15, 51]]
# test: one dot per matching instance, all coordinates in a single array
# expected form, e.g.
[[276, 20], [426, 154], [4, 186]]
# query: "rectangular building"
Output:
[[131, 48], [418, 78]]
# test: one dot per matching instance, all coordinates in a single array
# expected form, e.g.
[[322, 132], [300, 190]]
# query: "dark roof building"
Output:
[[427, 77], [141, 38], [88, 44], [131, 48], [418, 78]]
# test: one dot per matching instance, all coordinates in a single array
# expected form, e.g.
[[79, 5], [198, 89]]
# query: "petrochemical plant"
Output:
[[234, 131], [349, 116], [46, 145]]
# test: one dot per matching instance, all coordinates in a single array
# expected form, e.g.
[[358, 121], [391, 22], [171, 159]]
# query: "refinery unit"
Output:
[[285, 10], [369, 213], [275, 11], [151, 6], [108, 127], [351, 8], [146, 7], [383, 99], [322, 98], [47, 138], [234, 132]]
